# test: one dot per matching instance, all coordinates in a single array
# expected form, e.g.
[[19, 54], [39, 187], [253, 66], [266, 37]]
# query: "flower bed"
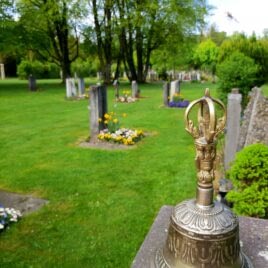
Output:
[[126, 97], [123, 135], [179, 104], [113, 132], [178, 101], [8, 215]]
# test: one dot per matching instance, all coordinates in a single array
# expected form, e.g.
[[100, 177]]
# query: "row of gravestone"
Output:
[[253, 128]]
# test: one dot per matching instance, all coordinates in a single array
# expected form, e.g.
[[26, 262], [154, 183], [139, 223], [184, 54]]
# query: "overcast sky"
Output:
[[248, 16]]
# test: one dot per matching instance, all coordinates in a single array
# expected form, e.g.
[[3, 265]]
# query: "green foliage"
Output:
[[205, 55], [249, 46], [37, 69], [84, 68], [237, 71], [249, 174]]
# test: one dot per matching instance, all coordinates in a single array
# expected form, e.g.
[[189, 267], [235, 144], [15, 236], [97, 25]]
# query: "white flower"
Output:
[[2, 226]]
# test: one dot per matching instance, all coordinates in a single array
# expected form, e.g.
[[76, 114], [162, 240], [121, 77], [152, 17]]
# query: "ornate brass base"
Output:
[[205, 237]]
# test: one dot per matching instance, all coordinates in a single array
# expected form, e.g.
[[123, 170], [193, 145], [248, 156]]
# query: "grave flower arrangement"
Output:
[[113, 132], [7, 216], [177, 100], [126, 97]]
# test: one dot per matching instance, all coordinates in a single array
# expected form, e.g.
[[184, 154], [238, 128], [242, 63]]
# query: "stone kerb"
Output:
[[233, 126], [98, 107], [254, 127]]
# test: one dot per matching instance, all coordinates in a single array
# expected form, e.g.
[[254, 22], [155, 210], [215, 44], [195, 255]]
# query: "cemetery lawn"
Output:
[[101, 203]]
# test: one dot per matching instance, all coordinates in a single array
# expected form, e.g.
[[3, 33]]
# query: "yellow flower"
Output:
[[106, 122], [100, 120], [124, 115], [115, 120], [106, 116]]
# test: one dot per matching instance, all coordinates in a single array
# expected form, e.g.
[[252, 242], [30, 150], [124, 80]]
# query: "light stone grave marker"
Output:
[[2, 71], [135, 90], [70, 88], [233, 126], [174, 88]]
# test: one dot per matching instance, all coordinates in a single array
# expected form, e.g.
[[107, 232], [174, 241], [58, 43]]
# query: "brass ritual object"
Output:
[[203, 233]]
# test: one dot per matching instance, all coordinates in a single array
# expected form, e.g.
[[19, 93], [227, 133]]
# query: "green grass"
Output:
[[101, 203]]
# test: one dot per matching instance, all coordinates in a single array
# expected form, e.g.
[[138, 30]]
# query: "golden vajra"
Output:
[[205, 134]]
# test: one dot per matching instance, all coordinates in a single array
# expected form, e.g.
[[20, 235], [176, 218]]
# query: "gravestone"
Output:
[[32, 83], [98, 108], [166, 88], [2, 71], [135, 90], [174, 88], [233, 126], [116, 87], [254, 127], [81, 86], [70, 88], [198, 76]]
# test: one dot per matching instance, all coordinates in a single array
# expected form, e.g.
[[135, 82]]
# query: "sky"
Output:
[[248, 16]]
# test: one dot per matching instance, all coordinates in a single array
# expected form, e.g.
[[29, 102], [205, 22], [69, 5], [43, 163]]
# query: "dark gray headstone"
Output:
[[32, 83], [81, 86], [166, 89], [98, 107]]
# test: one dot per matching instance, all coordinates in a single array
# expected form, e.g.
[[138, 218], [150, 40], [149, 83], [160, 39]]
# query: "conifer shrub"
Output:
[[249, 174]]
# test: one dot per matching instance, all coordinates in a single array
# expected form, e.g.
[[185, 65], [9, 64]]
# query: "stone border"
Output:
[[26, 204]]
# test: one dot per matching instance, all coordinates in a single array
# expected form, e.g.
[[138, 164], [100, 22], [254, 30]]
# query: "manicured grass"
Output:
[[101, 203]]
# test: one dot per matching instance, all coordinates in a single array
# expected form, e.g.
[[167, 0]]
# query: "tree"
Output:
[[141, 27], [52, 32], [251, 47], [237, 71], [205, 56]]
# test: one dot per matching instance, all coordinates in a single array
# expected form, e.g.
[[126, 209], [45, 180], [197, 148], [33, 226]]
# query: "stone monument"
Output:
[[98, 108], [233, 126], [32, 83], [70, 88], [202, 232], [166, 89], [2, 71], [135, 89]]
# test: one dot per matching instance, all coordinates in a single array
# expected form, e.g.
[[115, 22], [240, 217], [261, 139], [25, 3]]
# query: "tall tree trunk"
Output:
[[139, 51]]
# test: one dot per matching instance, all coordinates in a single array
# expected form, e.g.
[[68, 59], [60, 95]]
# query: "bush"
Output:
[[249, 174], [237, 71], [37, 69], [84, 68]]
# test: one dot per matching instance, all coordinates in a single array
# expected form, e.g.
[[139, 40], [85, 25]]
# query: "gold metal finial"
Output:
[[205, 132]]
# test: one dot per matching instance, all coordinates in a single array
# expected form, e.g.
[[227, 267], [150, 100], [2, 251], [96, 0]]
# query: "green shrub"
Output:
[[249, 174], [237, 71], [37, 69], [83, 68]]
